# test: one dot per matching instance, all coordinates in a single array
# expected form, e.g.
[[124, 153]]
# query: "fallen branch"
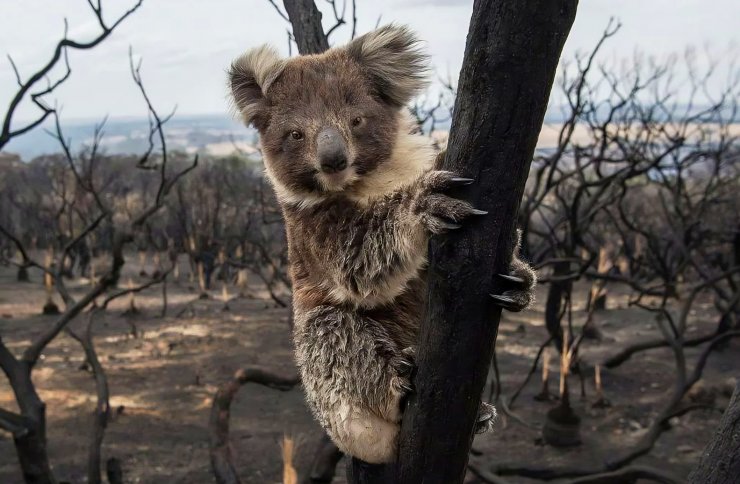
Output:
[[222, 462], [629, 474], [587, 476]]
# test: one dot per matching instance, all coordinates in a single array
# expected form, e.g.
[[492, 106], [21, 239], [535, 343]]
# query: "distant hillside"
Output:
[[213, 133]]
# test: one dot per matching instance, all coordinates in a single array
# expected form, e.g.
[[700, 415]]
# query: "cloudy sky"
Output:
[[186, 45]]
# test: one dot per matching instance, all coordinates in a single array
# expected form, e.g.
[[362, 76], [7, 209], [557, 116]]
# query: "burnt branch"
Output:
[[26, 88], [308, 33], [222, 460], [102, 406]]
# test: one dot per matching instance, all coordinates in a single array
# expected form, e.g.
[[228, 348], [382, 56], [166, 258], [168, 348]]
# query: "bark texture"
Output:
[[720, 461], [307, 30]]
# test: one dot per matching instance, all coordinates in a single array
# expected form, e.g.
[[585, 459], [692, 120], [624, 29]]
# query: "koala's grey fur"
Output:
[[357, 239]]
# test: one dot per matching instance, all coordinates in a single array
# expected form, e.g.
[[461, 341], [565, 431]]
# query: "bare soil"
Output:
[[163, 372]]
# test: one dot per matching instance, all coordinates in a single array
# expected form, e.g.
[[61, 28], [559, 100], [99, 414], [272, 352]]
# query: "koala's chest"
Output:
[[338, 260]]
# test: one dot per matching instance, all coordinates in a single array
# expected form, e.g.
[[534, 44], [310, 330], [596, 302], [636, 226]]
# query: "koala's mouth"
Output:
[[339, 180]]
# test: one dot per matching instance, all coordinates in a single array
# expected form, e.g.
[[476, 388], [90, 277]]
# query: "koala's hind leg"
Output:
[[354, 376]]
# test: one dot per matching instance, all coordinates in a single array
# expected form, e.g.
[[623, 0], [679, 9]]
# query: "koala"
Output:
[[361, 196]]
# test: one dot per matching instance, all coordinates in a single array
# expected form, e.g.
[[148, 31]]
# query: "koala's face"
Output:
[[327, 120]]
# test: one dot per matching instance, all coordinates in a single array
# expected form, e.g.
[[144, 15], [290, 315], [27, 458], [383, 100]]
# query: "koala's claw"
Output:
[[458, 181], [406, 367], [447, 225], [406, 385], [438, 212], [518, 286], [512, 278], [507, 302]]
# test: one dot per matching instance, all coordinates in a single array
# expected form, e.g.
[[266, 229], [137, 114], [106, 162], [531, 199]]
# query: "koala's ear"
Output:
[[250, 76], [394, 61]]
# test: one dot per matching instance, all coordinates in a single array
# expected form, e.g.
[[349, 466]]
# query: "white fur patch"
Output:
[[412, 156], [364, 435]]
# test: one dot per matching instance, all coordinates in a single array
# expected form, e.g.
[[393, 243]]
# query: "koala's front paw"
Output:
[[437, 211]]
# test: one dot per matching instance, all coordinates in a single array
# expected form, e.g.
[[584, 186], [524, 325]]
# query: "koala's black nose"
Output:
[[334, 165], [332, 151]]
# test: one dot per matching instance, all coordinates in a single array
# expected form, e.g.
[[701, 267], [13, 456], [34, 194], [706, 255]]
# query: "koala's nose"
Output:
[[332, 151]]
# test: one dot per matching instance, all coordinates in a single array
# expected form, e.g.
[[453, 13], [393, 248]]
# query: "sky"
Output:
[[186, 45]]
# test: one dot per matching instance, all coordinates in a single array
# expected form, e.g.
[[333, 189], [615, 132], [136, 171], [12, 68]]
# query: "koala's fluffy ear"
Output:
[[394, 61], [250, 76]]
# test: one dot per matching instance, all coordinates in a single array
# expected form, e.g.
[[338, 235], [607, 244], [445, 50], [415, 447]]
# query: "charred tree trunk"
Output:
[[30, 443], [511, 56], [556, 293], [307, 30], [22, 275], [720, 461]]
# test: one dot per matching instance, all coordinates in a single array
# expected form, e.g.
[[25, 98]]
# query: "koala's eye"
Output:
[[296, 135], [357, 121]]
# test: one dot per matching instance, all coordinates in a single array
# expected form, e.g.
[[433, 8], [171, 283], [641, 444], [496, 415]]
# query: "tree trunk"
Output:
[[31, 445], [554, 303], [307, 31], [511, 56], [720, 461], [22, 275]]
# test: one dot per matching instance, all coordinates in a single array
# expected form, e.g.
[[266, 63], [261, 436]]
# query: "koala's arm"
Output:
[[381, 246]]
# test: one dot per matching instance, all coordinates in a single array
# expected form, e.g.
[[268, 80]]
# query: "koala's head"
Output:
[[327, 120]]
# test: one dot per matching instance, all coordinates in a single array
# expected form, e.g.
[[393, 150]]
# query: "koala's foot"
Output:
[[439, 212], [518, 284], [406, 368], [519, 293], [486, 418]]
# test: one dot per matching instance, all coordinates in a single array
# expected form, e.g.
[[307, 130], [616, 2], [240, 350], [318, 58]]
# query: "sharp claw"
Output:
[[512, 278], [461, 181], [406, 363], [475, 211], [449, 226], [503, 299], [505, 302]]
